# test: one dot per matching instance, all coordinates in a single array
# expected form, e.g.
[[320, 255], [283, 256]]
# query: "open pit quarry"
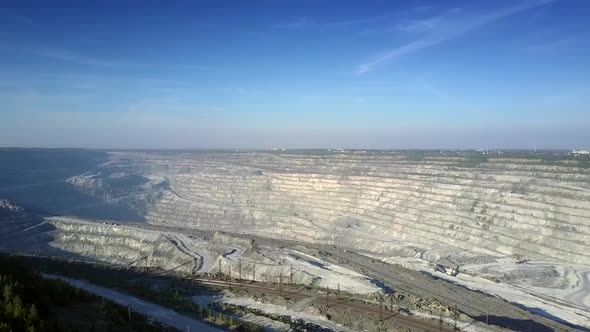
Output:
[[501, 236]]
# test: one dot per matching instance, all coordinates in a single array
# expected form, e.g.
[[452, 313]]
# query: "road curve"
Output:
[[165, 316]]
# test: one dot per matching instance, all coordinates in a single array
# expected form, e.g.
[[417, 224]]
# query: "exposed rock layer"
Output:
[[378, 203], [122, 245]]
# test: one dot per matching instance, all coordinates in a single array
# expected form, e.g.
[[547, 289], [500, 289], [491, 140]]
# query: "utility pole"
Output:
[[130, 326], [291, 275], [240, 269], [381, 323], [338, 293], [229, 273], [254, 273], [219, 267], [327, 294], [380, 309], [281, 283], [391, 302]]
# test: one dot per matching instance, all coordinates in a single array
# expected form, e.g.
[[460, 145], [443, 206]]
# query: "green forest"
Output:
[[29, 302]]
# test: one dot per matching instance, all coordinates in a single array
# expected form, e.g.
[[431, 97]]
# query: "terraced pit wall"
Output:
[[386, 204], [121, 245]]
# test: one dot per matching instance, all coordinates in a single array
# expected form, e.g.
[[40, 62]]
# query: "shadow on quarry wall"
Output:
[[34, 242], [59, 198], [31, 233], [26, 233], [384, 287], [515, 324], [115, 276], [36, 180], [524, 325], [541, 312]]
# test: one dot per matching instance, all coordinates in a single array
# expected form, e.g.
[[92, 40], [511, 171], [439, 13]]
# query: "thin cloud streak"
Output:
[[68, 56], [411, 25], [304, 22], [297, 23], [73, 57], [442, 32]]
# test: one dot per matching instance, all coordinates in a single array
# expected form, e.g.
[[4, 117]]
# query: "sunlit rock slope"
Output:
[[448, 207], [386, 203]]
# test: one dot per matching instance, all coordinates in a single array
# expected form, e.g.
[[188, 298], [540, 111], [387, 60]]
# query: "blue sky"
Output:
[[366, 74]]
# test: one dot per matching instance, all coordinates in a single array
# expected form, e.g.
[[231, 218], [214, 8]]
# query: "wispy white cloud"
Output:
[[447, 26], [305, 22], [59, 54], [295, 23], [423, 25], [411, 25], [396, 53], [352, 22], [440, 22], [69, 56]]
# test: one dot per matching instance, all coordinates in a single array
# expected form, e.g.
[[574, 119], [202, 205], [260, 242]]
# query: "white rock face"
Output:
[[477, 221], [449, 211], [7, 206], [517, 228], [385, 204], [122, 245]]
